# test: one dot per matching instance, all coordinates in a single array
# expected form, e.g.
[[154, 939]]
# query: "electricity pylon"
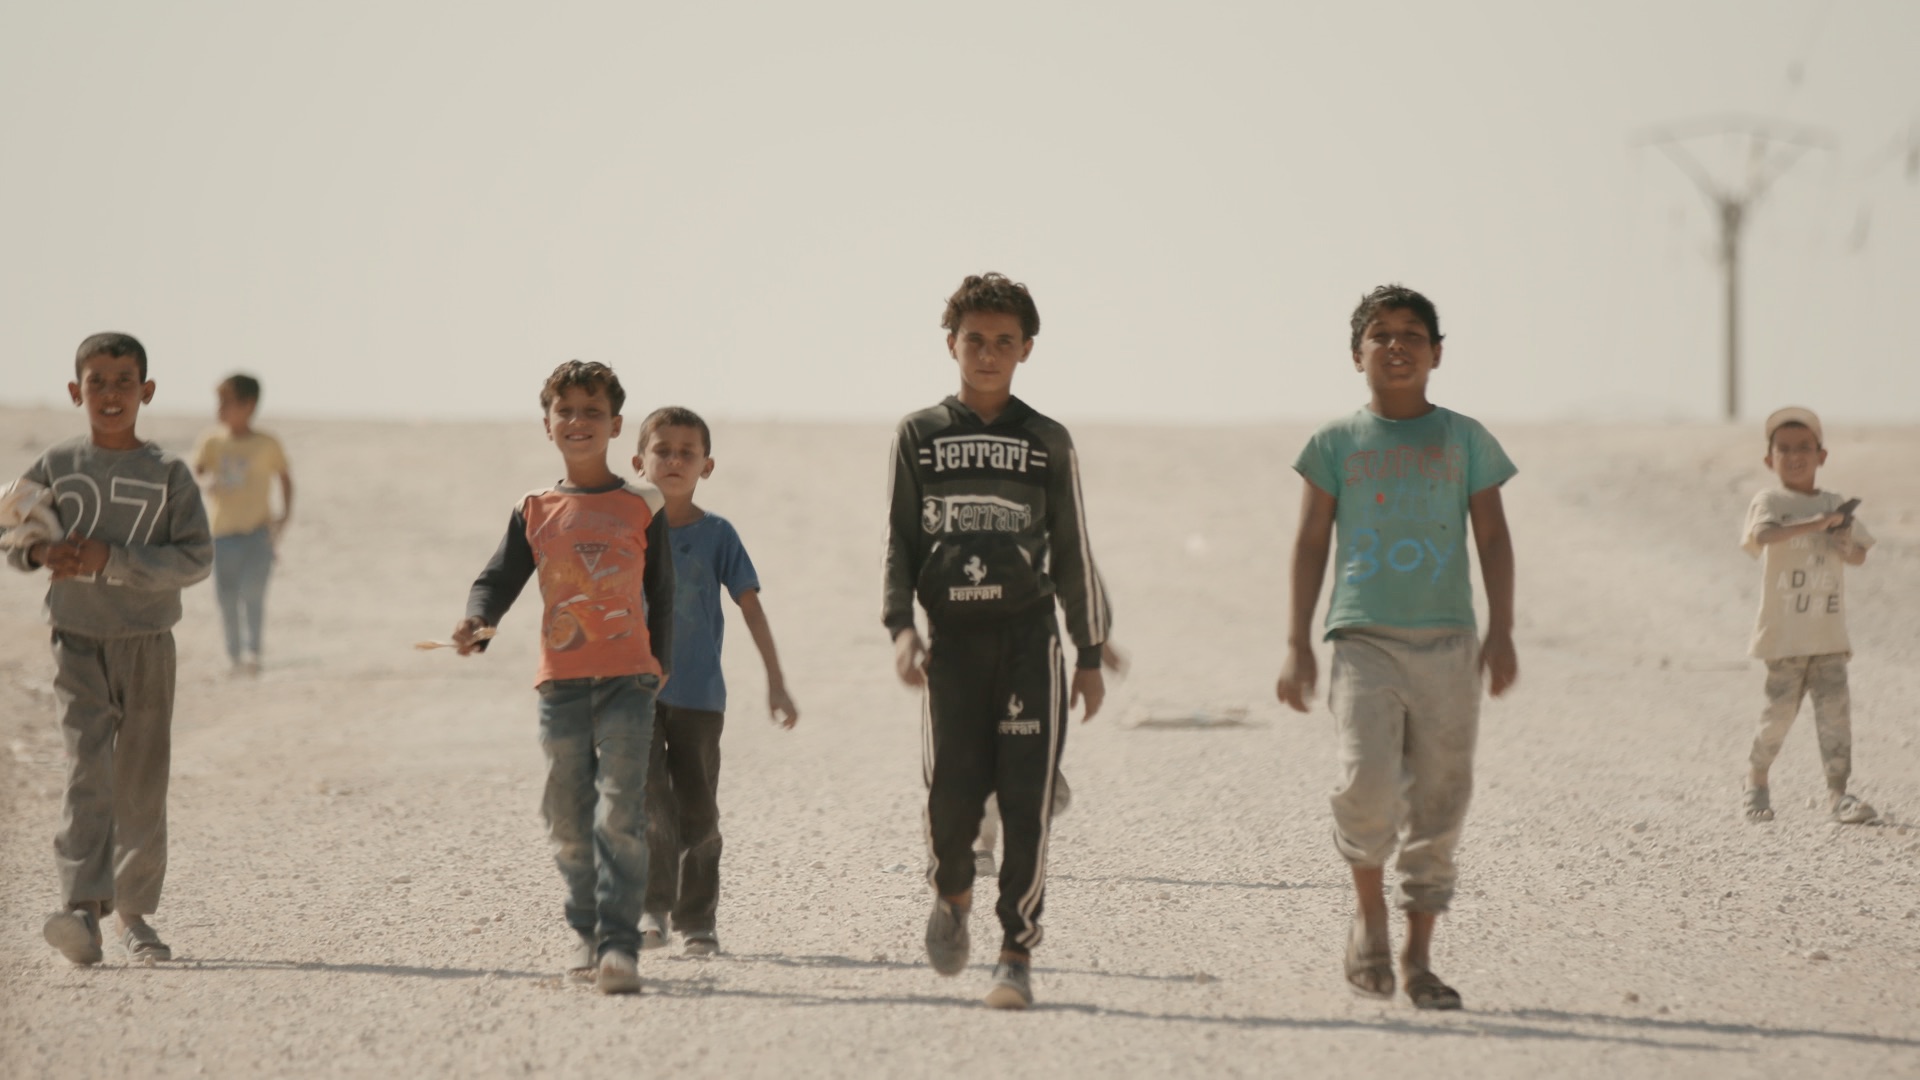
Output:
[[1772, 149]]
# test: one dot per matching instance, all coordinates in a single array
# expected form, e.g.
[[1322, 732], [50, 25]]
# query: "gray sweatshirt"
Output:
[[145, 506]]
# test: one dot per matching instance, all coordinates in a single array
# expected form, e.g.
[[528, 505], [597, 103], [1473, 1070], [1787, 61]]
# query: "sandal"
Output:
[[76, 933], [1369, 972], [1759, 806], [1426, 991], [1853, 810], [143, 943]]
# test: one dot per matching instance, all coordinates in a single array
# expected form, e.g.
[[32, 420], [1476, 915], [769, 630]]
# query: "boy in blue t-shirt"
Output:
[[1400, 479], [683, 815]]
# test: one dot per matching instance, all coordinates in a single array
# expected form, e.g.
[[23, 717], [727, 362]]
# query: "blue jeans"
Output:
[[598, 735], [241, 564]]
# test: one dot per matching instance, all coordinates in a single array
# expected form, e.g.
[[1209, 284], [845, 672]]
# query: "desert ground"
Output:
[[360, 884]]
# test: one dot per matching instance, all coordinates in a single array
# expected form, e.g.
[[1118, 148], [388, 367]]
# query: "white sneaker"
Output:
[[619, 973]]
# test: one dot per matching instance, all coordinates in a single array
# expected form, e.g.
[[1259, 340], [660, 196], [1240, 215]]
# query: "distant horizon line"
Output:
[[1163, 420]]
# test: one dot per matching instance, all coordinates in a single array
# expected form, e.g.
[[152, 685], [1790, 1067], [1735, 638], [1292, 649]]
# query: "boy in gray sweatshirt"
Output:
[[135, 534]]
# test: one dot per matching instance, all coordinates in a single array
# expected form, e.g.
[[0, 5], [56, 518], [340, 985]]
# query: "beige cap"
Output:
[[1794, 414]]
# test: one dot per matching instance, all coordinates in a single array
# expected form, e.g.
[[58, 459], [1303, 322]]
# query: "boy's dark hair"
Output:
[[110, 344], [586, 375], [992, 292], [245, 388], [1393, 297], [675, 416]]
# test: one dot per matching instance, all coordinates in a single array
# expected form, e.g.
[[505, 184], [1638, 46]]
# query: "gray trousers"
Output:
[[116, 715], [1824, 678], [1407, 707]]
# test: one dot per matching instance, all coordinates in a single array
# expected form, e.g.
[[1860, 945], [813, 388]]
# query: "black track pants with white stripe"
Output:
[[995, 722]]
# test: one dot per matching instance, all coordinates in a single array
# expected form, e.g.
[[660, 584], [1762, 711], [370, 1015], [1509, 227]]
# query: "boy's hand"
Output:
[[781, 708], [465, 639], [1500, 662], [1088, 685], [77, 557], [910, 658], [1298, 674]]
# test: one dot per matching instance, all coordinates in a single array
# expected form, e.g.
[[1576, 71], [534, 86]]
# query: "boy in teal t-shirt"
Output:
[[1397, 483]]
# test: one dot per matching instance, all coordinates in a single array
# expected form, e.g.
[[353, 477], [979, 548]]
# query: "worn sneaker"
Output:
[[700, 943], [983, 864], [652, 939], [76, 933], [1853, 810], [1012, 988], [947, 939], [580, 962], [619, 973]]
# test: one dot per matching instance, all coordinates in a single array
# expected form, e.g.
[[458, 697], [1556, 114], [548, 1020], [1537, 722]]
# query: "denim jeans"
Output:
[[598, 734], [241, 564]]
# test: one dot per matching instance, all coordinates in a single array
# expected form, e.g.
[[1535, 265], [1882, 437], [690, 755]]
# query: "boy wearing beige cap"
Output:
[[1806, 538]]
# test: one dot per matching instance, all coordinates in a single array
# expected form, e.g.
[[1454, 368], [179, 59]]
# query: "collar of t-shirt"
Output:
[[565, 488]]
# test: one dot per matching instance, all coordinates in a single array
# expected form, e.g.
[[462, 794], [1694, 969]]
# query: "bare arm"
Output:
[[1495, 545], [286, 496], [1780, 534], [1311, 545], [780, 706]]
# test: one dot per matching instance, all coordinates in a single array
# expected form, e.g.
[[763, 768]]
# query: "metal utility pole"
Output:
[[1772, 148]]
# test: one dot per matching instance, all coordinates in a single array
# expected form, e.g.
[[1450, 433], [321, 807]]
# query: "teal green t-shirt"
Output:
[[1401, 490]]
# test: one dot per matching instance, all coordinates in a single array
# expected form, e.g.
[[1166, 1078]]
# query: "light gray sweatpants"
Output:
[[1406, 704], [116, 714], [1824, 678]]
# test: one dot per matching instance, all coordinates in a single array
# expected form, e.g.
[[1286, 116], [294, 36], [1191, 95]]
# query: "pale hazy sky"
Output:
[[757, 209]]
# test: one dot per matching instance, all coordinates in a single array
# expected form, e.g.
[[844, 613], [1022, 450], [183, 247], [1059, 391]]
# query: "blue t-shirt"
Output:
[[706, 555], [1401, 490]]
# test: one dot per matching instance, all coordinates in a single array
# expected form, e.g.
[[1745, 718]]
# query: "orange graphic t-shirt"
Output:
[[606, 580]]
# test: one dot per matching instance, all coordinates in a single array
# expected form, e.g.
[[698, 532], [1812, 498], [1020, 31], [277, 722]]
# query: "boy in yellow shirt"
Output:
[[237, 467]]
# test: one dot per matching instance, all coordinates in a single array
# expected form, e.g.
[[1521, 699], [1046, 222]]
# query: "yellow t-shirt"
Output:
[[1803, 592], [237, 474]]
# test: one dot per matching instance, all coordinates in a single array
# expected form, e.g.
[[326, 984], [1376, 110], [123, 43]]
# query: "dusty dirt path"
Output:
[[360, 885]]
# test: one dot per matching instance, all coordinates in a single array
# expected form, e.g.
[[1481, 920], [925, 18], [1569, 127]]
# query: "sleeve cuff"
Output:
[[1089, 659]]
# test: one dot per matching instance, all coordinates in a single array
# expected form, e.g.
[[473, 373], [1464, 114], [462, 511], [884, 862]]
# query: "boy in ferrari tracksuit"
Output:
[[986, 529]]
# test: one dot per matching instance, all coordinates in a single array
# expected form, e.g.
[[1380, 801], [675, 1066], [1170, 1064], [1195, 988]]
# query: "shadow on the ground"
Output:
[[1454, 1024], [1710, 1027], [849, 963], [1125, 879], [198, 963]]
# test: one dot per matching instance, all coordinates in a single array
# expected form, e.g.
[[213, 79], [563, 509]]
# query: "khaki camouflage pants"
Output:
[[1790, 680]]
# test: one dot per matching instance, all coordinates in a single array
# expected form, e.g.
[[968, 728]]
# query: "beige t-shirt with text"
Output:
[[1803, 580]]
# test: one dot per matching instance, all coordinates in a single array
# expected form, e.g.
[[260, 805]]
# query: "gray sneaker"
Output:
[[1012, 987], [700, 943], [947, 939], [76, 933], [983, 864]]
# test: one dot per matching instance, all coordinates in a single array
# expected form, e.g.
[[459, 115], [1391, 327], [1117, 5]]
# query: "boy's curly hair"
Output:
[[992, 292], [1393, 297], [586, 375]]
